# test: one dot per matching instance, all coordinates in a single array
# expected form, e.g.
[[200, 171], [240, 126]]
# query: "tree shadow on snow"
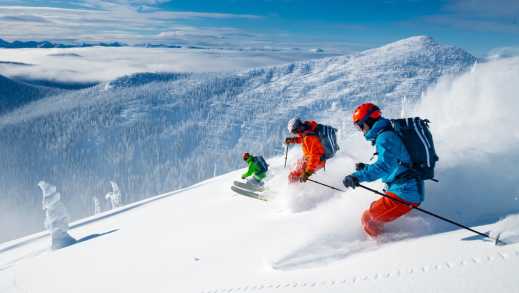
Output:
[[92, 236]]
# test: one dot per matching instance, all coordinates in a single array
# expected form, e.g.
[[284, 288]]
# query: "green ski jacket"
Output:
[[254, 169]]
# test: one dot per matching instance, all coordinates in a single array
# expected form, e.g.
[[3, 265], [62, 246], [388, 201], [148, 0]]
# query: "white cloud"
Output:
[[471, 24], [189, 32], [141, 21], [22, 18], [189, 15], [130, 21], [104, 63], [479, 15], [503, 52], [484, 8]]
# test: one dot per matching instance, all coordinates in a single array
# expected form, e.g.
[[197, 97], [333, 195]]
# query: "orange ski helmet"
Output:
[[246, 156], [364, 112]]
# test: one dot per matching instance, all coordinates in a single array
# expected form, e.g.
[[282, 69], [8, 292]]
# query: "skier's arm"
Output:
[[315, 153], [381, 168], [250, 170]]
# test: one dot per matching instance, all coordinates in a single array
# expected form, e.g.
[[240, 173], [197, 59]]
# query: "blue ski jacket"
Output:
[[391, 152]]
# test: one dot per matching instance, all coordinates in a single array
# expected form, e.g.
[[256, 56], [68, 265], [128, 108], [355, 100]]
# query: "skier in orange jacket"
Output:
[[313, 150]]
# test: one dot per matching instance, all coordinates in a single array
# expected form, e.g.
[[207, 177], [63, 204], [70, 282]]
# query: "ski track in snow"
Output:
[[379, 276]]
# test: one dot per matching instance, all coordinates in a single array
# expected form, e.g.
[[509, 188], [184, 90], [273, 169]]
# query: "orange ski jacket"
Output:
[[313, 150]]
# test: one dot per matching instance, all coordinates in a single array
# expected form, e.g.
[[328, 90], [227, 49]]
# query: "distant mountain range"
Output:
[[47, 44]]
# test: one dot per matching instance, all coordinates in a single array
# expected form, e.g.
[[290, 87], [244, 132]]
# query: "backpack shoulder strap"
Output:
[[385, 129], [310, 133]]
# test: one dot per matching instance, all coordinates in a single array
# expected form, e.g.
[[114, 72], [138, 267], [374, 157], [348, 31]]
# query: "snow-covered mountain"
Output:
[[14, 93], [154, 132]]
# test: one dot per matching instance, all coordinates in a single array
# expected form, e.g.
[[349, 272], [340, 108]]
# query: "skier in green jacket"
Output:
[[257, 167]]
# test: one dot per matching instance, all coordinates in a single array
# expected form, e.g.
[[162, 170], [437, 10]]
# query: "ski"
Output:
[[248, 193], [248, 186]]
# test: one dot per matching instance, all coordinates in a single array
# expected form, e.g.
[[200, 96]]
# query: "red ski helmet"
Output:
[[364, 112], [246, 156]]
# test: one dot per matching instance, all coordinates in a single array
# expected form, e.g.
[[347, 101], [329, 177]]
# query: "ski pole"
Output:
[[286, 156], [432, 214], [496, 240], [334, 188]]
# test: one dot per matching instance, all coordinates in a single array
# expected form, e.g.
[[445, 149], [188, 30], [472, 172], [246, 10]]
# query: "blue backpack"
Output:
[[417, 138], [260, 161], [327, 136]]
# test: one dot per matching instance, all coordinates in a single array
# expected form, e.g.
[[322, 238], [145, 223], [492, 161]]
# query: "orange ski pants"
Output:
[[382, 211], [300, 169]]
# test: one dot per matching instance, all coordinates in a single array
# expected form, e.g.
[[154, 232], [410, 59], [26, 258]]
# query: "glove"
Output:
[[293, 177], [290, 140], [350, 181], [360, 166], [305, 176]]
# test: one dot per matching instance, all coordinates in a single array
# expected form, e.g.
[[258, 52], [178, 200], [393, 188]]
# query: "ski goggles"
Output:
[[358, 125]]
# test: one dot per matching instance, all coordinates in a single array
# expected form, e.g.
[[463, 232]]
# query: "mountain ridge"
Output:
[[47, 44], [15, 94]]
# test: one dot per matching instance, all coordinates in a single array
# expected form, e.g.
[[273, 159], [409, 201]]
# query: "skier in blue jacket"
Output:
[[390, 167]]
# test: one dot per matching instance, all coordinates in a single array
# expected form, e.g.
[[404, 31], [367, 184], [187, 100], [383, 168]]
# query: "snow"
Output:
[[208, 239], [474, 121]]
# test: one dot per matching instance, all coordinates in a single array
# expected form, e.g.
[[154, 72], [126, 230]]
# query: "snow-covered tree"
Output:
[[56, 216], [97, 205], [114, 196]]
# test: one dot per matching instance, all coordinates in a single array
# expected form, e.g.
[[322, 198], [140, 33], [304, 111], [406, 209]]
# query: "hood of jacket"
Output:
[[378, 127]]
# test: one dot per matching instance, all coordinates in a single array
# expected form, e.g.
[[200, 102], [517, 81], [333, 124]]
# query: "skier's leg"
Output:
[[254, 181], [320, 166], [370, 226], [382, 211], [294, 176], [259, 179]]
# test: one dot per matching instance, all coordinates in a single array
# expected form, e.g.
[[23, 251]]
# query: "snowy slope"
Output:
[[14, 94], [152, 133], [209, 240]]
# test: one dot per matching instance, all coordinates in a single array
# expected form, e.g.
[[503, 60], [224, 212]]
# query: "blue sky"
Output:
[[476, 25]]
